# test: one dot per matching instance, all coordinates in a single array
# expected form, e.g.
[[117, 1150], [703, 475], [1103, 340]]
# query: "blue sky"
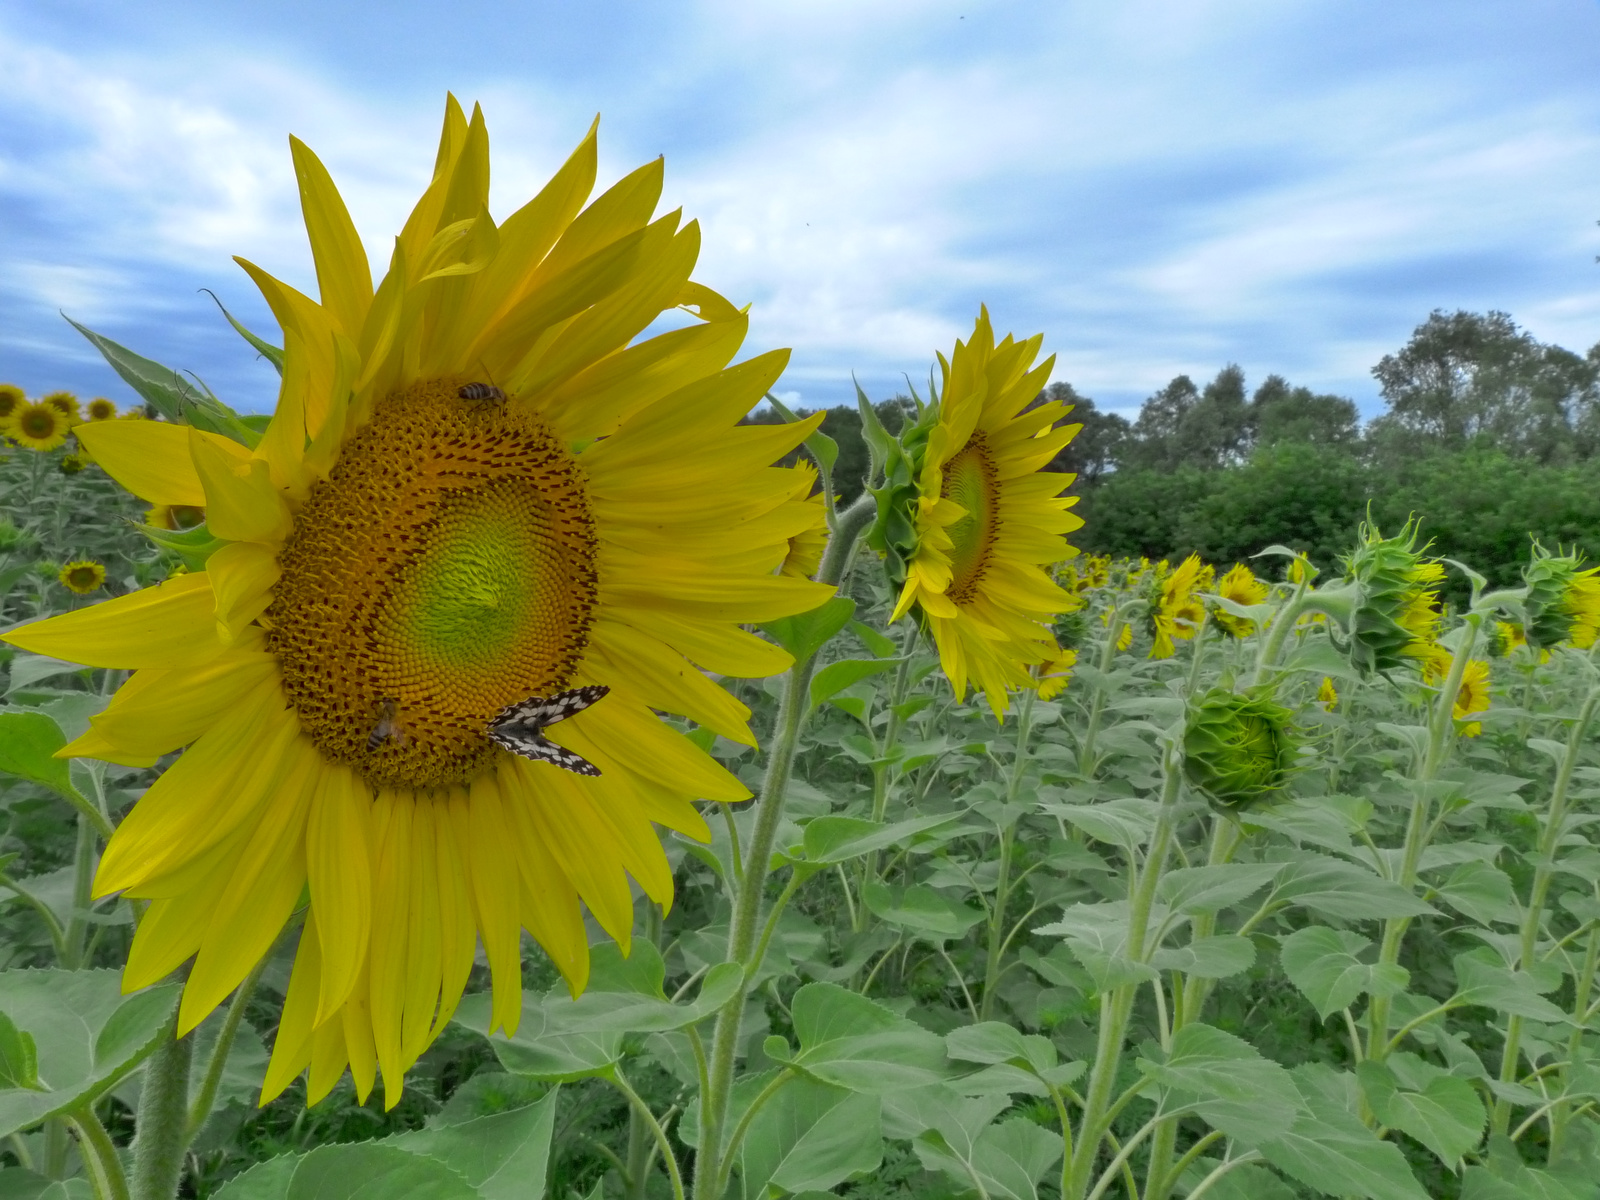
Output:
[[1157, 187]]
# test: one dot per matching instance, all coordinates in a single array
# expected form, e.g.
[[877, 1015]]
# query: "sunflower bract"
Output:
[[394, 563], [1563, 601], [1237, 748], [1395, 614]]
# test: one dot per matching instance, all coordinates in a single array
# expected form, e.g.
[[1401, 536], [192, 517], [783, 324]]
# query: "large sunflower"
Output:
[[988, 518], [406, 554]]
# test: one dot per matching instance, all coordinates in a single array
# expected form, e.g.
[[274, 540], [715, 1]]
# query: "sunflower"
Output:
[[1054, 675], [805, 548], [175, 516], [408, 551], [1327, 694], [39, 426], [1175, 610], [1241, 587], [982, 516], [101, 409], [82, 577], [1505, 637], [12, 398], [64, 403], [1473, 696]]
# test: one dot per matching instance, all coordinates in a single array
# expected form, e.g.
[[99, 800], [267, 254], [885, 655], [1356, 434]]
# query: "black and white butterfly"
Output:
[[520, 727]]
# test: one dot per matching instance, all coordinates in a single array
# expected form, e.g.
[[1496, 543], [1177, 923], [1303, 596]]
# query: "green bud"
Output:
[[1237, 749], [1395, 615], [1556, 596]]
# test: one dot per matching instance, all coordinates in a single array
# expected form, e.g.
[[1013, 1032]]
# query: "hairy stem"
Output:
[[162, 1122]]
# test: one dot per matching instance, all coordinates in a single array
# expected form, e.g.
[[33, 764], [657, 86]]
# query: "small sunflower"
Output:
[[1176, 609], [12, 399], [1241, 587], [1473, 697], [82, 577], [64, 403], [175, 516], [1327, 694], [1055, 674], [1505, 637], [39, 426], [806, 547], [101, 409], [971, 518], [1237, 749], [405, 554], [73, 464]]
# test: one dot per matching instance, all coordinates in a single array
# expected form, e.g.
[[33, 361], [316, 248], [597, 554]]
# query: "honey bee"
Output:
[[387, 726], [481, 394]]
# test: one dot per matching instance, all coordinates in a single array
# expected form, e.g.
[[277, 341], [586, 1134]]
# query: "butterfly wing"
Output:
[[527, 741], [520, 727]]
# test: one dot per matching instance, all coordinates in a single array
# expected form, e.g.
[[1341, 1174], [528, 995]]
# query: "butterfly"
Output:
[[520, 727]]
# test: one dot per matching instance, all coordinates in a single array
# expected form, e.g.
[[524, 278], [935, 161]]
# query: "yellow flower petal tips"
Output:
[[969, 519], [477, 488]]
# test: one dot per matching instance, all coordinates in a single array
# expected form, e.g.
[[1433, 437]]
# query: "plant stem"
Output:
[[1108, 655], [100, 1156], [162, 1122], [1278, 633], [77, 930], [207, 1096], [1533, 913], [997, 910], [793, 704], [1582, 990], [860, 915], [649, 1118]]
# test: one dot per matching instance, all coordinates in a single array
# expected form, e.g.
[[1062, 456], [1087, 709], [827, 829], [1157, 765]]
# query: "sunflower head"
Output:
[[1175, 609], [1327, 694], [101, 409], [1563, 602], [82, 577], [1238, 749], [806, 546], [1055, 674], [1473, 696], [39, 426], [1393, 614], [1240, 586], [968, 519], [73, 464], [1504, 637], [64, 403], [12, 398]]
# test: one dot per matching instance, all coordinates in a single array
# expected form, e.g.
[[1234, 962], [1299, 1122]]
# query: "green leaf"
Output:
[[273, 354], [1012, 1157], [829, 840], [959, 1139], [996, 1042], [881, 646], [1215, 957], [1330, 1151], [852, 1042], [1097, 936], [173, 396], [922, 910], [1249, 1182], [28, 742], [803, 635], [1325, 965], [1481, 893], [1127, 822], [503, 1155], [1481, 978], [835, 677], [1344, 890], [810, 1137], [1225, 1081], [1211, 889], [1445, 1114], [363, 1171], [86, 1034], [29, 669], [19, 1057], [823, 448]]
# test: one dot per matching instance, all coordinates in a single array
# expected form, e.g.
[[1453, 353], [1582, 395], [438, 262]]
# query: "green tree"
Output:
[[1281, 413], [1098, 445]]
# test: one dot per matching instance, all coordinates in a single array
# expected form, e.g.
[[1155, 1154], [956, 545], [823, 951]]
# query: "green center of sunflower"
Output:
[[443, 570], [970, 479]]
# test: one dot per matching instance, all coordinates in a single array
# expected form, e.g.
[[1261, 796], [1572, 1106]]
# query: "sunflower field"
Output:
[[492, 776]]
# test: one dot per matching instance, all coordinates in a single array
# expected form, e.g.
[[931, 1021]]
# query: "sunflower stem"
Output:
[[162, 1121], [1108, 654], [201, 1108], [793, 704], [997, 911]]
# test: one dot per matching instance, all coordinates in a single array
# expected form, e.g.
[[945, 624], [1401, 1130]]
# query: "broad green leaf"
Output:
[[1211, 889], [810, 1137], [1325, 965], [1481, 893], [1225, 1081], [1097, 936], [996, 1042], [28, 742], [27, 669], [1482, 979], [1504, 1176], [1249, 1182], [1445, 1114], [852, 1042], [538, 1050], [958, 1138], [806, 633], [921, 910], [1014, 1156], [1127, 822], [363, 1171], [1344, 890], [1330, 1151], [273, 354], [1319, 657], [1215, 957], [881, 646], [837, 676], [19, 1057], [503, 1155], [86, 1035], [17, 1183], [829, 840]]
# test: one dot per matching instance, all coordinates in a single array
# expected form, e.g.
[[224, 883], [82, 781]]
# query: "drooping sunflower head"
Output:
[[489, 534], [1056, 673], [969, 518], [83, 576], [1563, 601], [1238, 749], [805, 547], [64, 403], [1504, 637], [39, 426], [12, 398], [1392, 590], [1175, 609], [101, 409], [1240, 586]]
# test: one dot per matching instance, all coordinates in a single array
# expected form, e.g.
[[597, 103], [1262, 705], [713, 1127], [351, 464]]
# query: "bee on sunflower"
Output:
[[391, 559], [969, 520]]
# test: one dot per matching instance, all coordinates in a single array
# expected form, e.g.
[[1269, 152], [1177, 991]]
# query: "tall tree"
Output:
[[1281, 413], [1154, 444]]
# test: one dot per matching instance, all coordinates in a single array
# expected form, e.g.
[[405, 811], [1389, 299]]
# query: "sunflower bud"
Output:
[[1237, 749], [1395, 616], [1563, 602]]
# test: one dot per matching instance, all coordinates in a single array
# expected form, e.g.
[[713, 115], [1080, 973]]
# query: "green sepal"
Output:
[[1549, 578], [194, 546], [1238, 748], [273, 354]]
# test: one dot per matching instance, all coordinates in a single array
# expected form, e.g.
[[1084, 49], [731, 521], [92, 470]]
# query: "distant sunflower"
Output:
[[1327, 694], [64, 403], [1241, 587], [1176, 611], [1473, 696], [402, 561], [82, 577], [1055, 674], [12, 399], [806, 547], [39, 427], [101, 409], [987, 517]]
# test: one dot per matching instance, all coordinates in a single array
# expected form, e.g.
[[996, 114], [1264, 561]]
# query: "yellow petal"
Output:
[[341, 260], [495, 894], [339, 871], [169, 625], [241, 503], [149, 458], [242, 578], [291, 1050]]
